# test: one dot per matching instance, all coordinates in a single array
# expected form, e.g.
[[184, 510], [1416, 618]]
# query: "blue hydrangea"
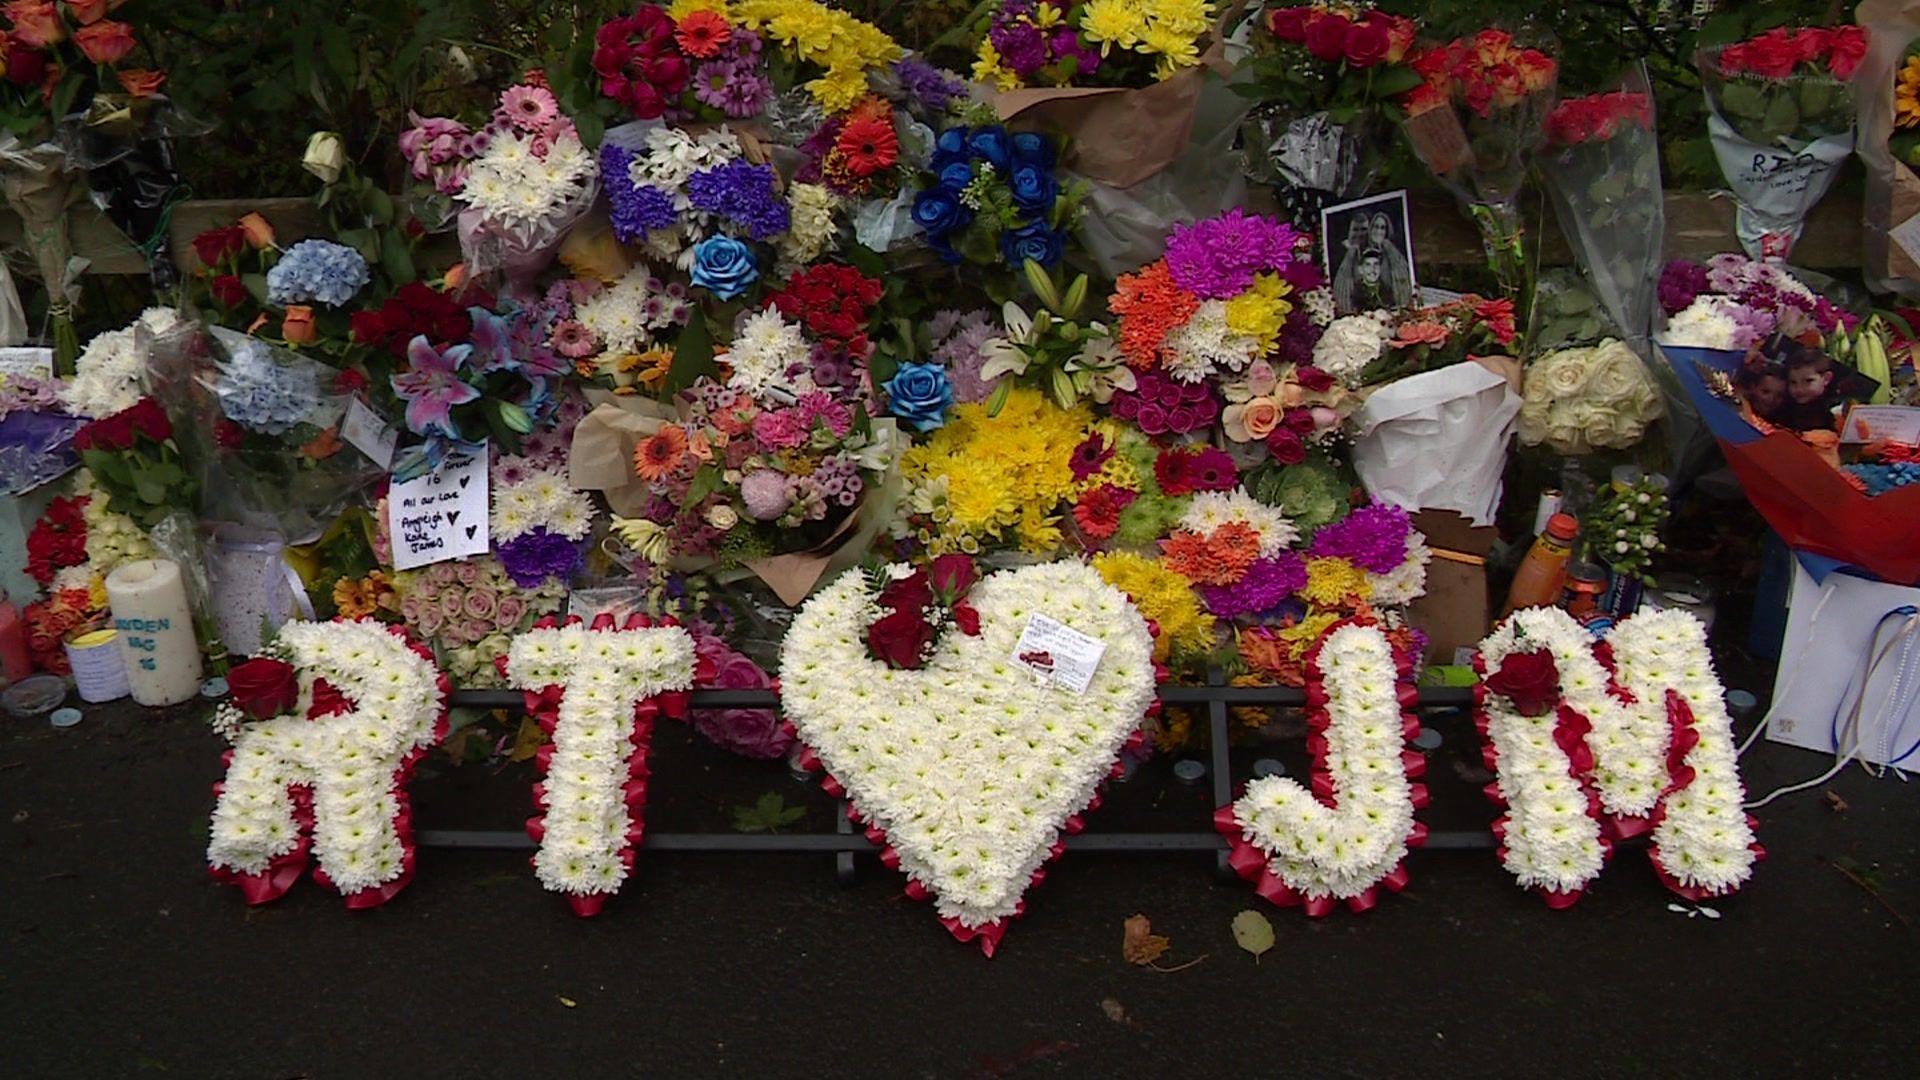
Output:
[[317, 271], [261, 395]]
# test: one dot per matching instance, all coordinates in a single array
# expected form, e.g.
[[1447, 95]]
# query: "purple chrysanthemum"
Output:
[[1373, 538], [537, 555], [1266, 584], [1217, 258], [1680, 282]]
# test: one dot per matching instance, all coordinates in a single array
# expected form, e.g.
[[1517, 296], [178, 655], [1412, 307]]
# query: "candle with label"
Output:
[[149, 603]]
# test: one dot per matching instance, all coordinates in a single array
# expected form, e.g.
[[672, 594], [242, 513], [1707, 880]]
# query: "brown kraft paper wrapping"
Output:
[[1115, 135], [1454, 610]]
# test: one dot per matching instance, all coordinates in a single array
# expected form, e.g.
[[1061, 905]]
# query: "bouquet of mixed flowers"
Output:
[[137, 464], [1323, 75], [1474, 121], [1096, 43], [1230, 290], [246, 281], [620, 334], [522, 179], [1602, 169], [993, 198], [1734, 302], [688, 63], [470, 610], [1781, 114], [1426, 338], [1051, 350]]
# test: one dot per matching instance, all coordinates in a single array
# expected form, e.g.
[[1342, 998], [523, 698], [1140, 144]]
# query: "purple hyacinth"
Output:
[[1373, 538]]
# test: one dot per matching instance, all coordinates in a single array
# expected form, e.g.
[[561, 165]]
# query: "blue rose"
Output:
[[950, 147], [955, 176], [724, 266], [991, 142], [1034, 148], [920, 395], [1033, 188], [940, 212], [1034, 240]]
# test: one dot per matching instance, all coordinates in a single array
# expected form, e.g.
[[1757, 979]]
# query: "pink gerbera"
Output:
[[529, 108], [572, 339]]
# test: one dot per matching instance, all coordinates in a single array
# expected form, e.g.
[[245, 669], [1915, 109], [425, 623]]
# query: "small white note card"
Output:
[[442, 515], [366, 432], [1058, 653], [26, 360], [1872, 423]]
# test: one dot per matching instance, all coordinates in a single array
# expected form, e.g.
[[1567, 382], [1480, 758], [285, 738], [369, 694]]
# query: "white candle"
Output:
[[149, 604]]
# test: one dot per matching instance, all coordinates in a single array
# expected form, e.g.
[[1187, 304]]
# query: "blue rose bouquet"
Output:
[[992, 198]]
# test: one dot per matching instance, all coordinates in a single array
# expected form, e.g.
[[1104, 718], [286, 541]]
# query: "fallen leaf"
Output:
[[1115, 1011], [1141, 945], [1252, 932], [1710, 913], [1835, 803], [567, 1001], [527, 741]]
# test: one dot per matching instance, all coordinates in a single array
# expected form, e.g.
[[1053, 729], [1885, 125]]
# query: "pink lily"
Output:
[[432, 386]]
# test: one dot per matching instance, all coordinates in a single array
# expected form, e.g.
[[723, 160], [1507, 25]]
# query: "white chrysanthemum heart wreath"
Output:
[[1612, 740], [1347, 837], [596, 692], [332, 771], [969, 769]]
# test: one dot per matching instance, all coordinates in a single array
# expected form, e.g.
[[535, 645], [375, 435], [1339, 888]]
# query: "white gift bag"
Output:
[[1438, 440], [1849, 679]]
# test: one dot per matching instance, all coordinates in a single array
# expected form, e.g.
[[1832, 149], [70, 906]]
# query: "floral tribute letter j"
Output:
[[970, 724], [1346, 837], [1593, 742], [596, 691], [326, 726]]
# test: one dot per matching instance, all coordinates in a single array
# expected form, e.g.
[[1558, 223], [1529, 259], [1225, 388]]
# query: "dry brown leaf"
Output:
[[1141, 945], [1115, 1011], [1835, 803]]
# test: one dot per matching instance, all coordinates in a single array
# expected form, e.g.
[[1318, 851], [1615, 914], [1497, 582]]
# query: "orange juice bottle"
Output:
[[1544, 570]]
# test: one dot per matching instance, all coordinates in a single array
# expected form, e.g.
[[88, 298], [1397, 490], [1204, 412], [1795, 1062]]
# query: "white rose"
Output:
[[326, 156], [722, 516]]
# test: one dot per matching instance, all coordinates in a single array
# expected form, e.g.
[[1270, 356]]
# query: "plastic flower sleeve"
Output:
[[1780, 143], [37, 186], [125, 144], [260, 427], [1601, 168]]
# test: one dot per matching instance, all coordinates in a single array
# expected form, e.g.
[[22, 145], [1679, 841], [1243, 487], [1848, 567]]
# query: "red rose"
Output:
[[228, 435], [349, 381], [901, 639], [910, 595], [1313, 379], [1298, 421], [1286, 447], [952, 575], [25, 66], [1772, 55], [967, 619], [327, 701], [216, 246], [1529, 680], [1848, 45], [1289, 24], [113, 433], [228, 291], [263, 687], [1401, 32], [150, 420], [1368, 43], [1327, 36]]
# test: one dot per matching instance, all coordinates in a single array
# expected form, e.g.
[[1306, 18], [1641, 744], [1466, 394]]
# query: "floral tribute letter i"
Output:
[[969, 723], [596, 691], [1347, 836], [326, 726]]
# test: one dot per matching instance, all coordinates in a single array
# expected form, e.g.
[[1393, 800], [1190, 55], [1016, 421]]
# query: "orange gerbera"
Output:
[[702, 33], [659, 454], [1149, 305], [1220, 557]]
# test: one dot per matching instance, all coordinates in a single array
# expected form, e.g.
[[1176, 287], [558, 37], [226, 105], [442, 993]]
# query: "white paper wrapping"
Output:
[[1438, 440]]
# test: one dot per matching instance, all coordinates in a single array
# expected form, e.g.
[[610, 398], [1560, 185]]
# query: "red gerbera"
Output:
[[867, 146], [1098, 511], [702, 33]]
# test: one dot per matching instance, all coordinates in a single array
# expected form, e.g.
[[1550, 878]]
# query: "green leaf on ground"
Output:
[[1252, 932]]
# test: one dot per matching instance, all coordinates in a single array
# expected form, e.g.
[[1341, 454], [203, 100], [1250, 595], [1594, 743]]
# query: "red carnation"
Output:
[[1529, 680], [263, 687]]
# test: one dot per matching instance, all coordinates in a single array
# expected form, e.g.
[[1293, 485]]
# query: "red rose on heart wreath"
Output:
[[263, 687], [1530, 680]]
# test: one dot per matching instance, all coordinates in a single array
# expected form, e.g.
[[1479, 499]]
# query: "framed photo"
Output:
[[1367, 246]]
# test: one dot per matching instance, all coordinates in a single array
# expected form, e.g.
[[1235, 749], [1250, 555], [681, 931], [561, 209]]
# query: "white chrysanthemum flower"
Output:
[[1209, 510], [765, 347], [1203, 345], [1407, 582]]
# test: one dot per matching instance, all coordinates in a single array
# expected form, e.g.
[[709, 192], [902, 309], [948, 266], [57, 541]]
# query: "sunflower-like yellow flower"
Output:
[[1906, 95], [1334, 583], [1261, 310]]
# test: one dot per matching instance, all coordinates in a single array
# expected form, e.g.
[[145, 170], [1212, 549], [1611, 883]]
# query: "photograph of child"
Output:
[[1798, 387], [1373, 265]]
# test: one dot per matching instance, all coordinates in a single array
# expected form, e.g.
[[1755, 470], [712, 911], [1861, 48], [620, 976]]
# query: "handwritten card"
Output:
[[1059, 654], [1873, 423], [366, 432], [442, 515]]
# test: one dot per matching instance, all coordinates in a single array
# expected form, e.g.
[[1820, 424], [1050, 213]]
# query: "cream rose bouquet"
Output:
[[1580, 400]]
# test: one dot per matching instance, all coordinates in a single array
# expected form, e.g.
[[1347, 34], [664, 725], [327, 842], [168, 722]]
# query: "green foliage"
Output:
[[770, 814]]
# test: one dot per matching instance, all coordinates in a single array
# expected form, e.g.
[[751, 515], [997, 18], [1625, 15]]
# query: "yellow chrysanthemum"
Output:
[[1163, 596], [1039, 532], [987, 68], [1906, 95], [1002, 474], [1301, 635], [1261, 310], [1046, 16], [1113, 22], [845, 46], [1334, 583], [680, 9]]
